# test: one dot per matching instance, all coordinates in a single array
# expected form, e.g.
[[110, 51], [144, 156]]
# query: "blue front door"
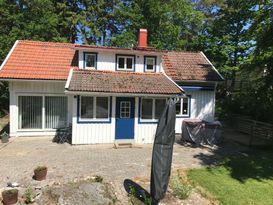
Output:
[[125, 113]]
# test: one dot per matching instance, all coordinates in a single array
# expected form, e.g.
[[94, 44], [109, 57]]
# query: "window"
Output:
[[94, 108], [125, 62], [149, 64], [125, 109], [32, 116], [151, 109], [183, 107], [30, 112], [90, 60], [55, 112]]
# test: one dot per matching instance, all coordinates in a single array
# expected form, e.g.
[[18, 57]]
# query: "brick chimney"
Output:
[[142, 38]]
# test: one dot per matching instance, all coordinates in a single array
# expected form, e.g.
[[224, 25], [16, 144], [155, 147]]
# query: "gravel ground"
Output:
[[66, 162]]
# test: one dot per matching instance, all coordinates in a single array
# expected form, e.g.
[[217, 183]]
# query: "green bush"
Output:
[[98, 178], [180, 187]]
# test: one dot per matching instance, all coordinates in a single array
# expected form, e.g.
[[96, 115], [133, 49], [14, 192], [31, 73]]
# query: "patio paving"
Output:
[[66, 162]]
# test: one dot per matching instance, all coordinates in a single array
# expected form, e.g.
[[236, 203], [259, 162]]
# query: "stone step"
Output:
[[123, 144]]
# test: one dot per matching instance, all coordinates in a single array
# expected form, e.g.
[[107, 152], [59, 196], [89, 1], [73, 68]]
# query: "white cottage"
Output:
[[105, 93]]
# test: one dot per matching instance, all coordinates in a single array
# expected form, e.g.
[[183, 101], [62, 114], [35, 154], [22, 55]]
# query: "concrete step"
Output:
[[124, 144]]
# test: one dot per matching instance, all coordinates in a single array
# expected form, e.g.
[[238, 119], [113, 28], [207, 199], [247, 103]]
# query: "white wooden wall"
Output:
[[202, 107], [91, 133], [33, 88], [107, 61]]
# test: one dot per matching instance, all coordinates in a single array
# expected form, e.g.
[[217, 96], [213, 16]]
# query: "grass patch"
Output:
[[238, 180]]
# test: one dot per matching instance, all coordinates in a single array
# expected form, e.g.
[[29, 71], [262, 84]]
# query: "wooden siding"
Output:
[[17, 88], [202, 107], [107, 61]]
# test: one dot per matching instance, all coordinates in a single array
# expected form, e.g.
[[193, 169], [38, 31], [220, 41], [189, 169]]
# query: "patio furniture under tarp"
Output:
[[162, 152], [201, 132]]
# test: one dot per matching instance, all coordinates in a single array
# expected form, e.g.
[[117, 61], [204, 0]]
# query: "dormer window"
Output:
[[90, 60], [125, 63], [149, 63]]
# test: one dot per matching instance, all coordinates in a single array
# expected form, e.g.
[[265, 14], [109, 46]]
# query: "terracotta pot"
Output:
[[10, 196], [40, 175]]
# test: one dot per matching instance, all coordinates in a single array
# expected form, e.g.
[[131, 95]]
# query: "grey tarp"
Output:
[[162, 152], [201, 132]]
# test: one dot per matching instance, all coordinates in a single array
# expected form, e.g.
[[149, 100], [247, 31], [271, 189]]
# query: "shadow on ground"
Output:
[[242, 162]]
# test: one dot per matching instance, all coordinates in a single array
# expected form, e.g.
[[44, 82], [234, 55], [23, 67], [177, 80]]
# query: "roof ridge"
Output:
[[45, 43]]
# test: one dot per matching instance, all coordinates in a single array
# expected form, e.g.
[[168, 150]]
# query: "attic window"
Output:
[[125, 63], [149, 63], [90, 60]]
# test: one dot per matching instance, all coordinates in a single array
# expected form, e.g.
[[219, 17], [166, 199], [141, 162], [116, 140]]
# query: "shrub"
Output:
[[29, 195], [98, 178], [40, 168], [180, 186]]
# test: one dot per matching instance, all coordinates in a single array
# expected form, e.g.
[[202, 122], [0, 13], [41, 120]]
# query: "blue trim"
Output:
[[186, 116], [139, 115], [96, 54], [93, 122], [194, 88], [144, 69], [134, 64]]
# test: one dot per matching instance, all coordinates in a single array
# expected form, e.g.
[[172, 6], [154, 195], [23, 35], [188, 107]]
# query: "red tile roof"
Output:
[[183, 66], [40, 60], [52, 61], [121, 82]]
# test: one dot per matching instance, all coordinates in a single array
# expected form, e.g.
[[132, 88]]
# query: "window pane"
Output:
[[159, 107], [185, 106], [129, 63], [87, 107], [102, 107], [147, 109], [55, 111], [150, 63], [121, 63], [90, 60], [30, 112], [125, 109], [178, 107]]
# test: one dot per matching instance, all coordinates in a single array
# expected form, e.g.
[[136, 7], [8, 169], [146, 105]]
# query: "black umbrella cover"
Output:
[[162, 152]]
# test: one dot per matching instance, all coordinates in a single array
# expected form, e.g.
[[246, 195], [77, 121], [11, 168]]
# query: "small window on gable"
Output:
[[125, 63], [90, 60], [150, 64], [183, 107]]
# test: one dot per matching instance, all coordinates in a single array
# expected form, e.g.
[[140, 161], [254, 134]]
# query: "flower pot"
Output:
[[10, 196], [40, 174], [5, 138]]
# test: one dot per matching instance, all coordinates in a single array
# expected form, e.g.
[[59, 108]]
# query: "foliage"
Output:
[[10, 192], [180, 186], [28, 195], [239, 180], [40, 168], [98, 178]]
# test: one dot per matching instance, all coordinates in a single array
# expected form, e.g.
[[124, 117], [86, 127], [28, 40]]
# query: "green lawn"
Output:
[[238, 180]]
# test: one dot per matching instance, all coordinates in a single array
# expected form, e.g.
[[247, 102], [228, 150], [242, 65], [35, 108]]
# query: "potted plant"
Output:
[[5, 137], [40, 173], [10, 196]]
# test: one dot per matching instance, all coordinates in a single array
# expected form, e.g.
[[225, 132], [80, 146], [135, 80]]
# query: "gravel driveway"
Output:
[[66, 162]]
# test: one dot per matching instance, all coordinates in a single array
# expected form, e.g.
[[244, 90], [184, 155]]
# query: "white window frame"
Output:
[[43, 111], [181, 107], [153, 110], [125, 63], [145, 63], [120, 107], [94, 119], [89, 54]]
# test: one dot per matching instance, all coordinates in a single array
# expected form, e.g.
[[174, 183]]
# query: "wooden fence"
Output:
[[256, 129]]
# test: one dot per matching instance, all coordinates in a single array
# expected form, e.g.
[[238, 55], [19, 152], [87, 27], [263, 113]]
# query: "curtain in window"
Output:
[[55, 111], [30, 112]]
